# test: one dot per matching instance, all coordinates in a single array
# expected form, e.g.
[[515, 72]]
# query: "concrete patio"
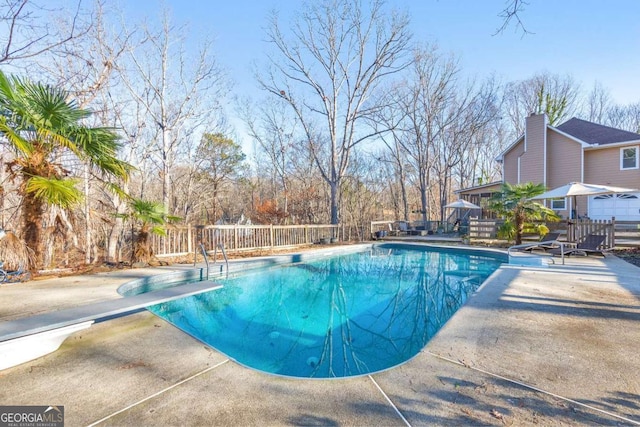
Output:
[[534, 346]]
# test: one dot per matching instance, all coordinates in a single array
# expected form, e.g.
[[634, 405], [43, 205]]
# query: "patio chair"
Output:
[[403, 228], [545, 243], [590, 245]]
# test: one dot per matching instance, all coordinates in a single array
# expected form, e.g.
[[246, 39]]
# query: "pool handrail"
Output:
[[215, 257], [206, 259]]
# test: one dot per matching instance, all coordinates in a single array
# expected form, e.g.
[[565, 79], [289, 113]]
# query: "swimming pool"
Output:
[[338, 316]]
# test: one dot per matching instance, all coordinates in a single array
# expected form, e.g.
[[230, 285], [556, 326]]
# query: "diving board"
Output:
[[28, 338]]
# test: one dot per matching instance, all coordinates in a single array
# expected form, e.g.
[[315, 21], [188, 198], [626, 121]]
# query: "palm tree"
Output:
[[152, 218], [41, 126], [515, 205]]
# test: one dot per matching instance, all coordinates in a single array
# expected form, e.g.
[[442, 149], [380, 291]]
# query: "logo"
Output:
[[31, 416]]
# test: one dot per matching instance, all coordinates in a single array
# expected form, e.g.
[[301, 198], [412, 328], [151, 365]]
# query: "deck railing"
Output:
[[184, 240], [484, 228], [617, 233]]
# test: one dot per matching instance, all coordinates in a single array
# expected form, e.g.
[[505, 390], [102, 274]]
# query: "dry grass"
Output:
[[14, 252]]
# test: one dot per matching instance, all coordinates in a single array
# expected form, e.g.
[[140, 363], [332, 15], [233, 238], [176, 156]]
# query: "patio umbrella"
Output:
[[462, 204], [574, 189]]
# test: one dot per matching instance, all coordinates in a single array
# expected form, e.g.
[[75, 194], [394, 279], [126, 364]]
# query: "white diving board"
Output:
[[28, 338]]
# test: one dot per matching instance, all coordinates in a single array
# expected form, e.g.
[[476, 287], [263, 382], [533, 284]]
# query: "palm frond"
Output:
[[117, 190], [158, 230], [20, 144], [100, 146], [54, 191]]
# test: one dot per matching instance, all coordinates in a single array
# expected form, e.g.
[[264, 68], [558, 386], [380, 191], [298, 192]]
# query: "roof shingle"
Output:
[[593, 133]]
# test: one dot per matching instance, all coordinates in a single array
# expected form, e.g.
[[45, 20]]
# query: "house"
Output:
[[577, 150]]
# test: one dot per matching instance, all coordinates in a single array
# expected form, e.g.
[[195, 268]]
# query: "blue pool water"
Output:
[[334, 317]]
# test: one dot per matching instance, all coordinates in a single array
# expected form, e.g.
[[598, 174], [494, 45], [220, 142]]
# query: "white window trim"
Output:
[[564, 202], [622, 158]]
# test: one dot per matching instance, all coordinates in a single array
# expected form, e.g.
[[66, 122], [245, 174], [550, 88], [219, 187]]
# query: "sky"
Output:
[[591, 40]]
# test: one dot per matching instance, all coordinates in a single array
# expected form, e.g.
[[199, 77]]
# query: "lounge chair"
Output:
[[546, 243], [590, 245]]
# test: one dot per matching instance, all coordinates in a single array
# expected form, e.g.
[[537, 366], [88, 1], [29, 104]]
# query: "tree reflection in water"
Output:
[[336, 317]]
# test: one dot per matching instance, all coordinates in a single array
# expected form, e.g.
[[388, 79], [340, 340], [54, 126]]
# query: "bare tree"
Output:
[[336, 57], [557, 96], [361, 194], [394, 158], [625, 117], [598, 103], [471, 112], [178, 94], [511, 13], [479, 165], [427, 101], [29, 29], [274, 131]]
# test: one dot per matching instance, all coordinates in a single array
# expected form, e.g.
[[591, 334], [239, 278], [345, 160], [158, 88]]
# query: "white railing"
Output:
[[184, 240]]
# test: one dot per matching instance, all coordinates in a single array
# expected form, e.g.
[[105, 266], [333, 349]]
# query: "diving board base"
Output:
[[24, 349]]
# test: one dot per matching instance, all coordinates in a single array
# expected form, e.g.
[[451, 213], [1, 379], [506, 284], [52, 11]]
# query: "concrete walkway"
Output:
[[545, 346]]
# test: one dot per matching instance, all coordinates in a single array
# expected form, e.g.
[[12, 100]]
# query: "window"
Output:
[[559, 204], [629, 158], [613, 196]]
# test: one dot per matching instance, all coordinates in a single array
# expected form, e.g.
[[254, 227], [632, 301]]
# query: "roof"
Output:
[[479, 187], [593, 133]]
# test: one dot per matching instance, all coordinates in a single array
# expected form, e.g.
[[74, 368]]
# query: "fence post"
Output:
[[189, 237], [612, 232], [235, 237], [271, 235], [306, 234]]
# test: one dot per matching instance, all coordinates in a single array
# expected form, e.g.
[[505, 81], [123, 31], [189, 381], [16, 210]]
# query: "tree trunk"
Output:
[[142, 251], [519, 226], [403, 192], [32, 230], [335, 188], [423, 204], [87, 215]]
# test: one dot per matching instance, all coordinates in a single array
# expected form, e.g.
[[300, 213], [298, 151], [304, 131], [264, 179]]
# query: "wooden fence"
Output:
[[579, 229], [484, 228], [617, 233], [627, 233], [185, 240]]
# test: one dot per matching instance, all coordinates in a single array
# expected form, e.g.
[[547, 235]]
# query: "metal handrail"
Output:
[[206, 260], [224, 254]]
